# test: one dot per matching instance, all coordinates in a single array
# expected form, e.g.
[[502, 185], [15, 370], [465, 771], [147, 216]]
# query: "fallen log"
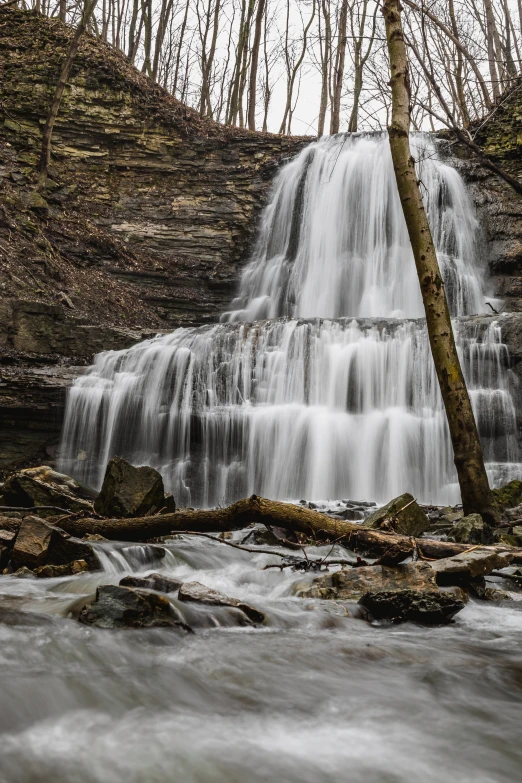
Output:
[[268, 512]]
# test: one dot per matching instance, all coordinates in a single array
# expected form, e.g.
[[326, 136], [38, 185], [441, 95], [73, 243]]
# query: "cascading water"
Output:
[[328, 402]]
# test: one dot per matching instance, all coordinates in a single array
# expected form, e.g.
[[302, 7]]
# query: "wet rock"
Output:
[[395, 554], [154, 581], [68, 569], [130, 492], [124, 607], [43, 486], [428, 607], [39, 543], [7, 537], [270, 536], [32, 543], [348, 514], [94, 537], [495, 594], [466, 566], [516, 532], [471, 530], [412, 521], [23, 573], [196, 592], [352, 584]]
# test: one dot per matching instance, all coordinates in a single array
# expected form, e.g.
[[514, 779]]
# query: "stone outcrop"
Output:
[[123, 607], [131, 492]]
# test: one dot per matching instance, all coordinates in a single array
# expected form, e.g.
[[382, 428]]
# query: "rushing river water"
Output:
[[313, 696]]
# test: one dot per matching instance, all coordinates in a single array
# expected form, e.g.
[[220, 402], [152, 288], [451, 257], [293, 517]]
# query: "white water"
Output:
[[339, 405], [312, 696]]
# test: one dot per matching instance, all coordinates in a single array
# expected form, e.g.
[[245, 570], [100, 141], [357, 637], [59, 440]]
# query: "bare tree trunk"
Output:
[[472, 62], [340, 56], [132, 31], [490, 25], [180, 46], [74, 44], [252, 88], [293, 71], [459, 69], [325, 64], [165, 12], [63, 11], [360, 61], [146, 15], [473, 480]]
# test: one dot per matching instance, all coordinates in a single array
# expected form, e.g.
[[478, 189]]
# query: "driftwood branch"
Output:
[[256, 509]]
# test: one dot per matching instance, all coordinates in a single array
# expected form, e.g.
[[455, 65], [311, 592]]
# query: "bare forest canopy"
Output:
[[310, 66]]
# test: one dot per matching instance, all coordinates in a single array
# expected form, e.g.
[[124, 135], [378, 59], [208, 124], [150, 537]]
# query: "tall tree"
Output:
[[45, 153], [252, 87], [340, 56], [469, 461]]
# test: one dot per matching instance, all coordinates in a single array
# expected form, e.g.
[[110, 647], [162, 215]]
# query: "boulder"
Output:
[[402, 514], [124, 607], [131, 492], [469, 565], [38, 543], [154, 581], [43, 486], [471, 530], [517, 534], [428, 607], [352, 584], [32, 543], [196, 592]]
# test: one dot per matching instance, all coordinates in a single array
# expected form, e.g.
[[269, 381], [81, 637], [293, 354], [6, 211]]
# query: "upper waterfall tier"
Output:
[[333, 242]]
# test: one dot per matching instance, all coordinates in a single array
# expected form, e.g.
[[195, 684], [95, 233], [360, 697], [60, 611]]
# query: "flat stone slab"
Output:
[[353, 583], [470, 565]]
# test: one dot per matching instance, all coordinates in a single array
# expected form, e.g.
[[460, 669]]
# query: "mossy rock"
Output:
[[402, 514], [508, 496]]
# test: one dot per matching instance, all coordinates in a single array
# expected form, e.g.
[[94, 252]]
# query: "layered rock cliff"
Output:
[[148, 214]]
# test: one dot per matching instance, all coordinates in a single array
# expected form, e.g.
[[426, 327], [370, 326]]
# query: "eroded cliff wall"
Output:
[[148, 214]]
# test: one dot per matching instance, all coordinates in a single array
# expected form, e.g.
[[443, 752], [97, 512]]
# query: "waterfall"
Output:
[[319, 382]]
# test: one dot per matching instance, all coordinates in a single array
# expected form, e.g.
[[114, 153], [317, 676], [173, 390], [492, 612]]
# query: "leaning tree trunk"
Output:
[[45, 153], [469, 461]]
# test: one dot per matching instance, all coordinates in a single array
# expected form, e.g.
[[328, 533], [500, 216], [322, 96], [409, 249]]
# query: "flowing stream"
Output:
[[317, 384], [312, 696]]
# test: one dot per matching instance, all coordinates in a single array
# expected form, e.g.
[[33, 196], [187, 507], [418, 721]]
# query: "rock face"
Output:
[[402, 514], [150, 208], [123, 607], [198, 593], [43, 486], [428, 607], [352, 584], [130, 492]]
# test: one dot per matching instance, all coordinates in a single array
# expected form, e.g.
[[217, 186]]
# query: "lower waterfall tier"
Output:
[[322, 409]]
